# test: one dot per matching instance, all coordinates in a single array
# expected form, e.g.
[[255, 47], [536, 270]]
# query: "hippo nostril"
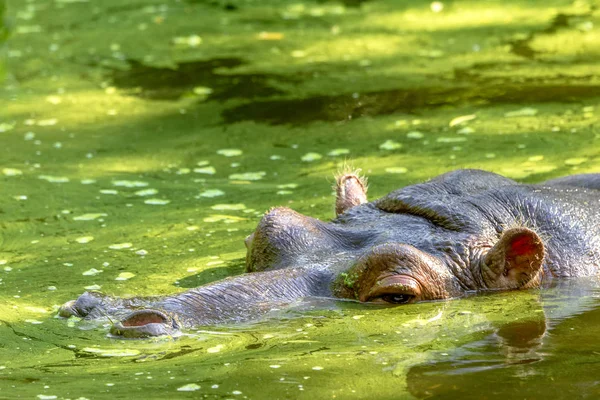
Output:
[[145, 317], [145, 323]]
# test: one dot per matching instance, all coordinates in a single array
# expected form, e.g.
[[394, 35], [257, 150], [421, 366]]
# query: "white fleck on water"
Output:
[[206, 170], [54, 179], [12, 172], [575, 161], [120, 246], [396, 170], [141, 252], [284, 192], [84, 239], [46, 397], [131, 184], [212, 193], [215, 349], [415, 135], [93, 287], [89, 217], [523, 112], [338, 152], [248, 176], [190, 387], [317, 368], [462, 119], [390, 145], [288, 186], [92, 272], [157, 202], [309, 157], [202, 163], [275, 157], [109, 191], [451, 139], [47, 122], [20, 197], [230, 152], [87, 181], [229, 207], [123, 276], [275, 366], [146, 192]]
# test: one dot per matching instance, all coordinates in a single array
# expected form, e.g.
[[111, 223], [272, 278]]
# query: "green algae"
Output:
[[158, 100]]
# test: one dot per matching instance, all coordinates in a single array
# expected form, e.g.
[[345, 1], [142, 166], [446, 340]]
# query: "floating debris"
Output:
[[190, 387], [123, 276], [523, 112], [270, 36], [47, 122], [230, 152], [157, 202], [46, 397], [84, 239], [93, 287], [317, 368], [146, 192], [275, 366], [215, 349], [92, 272], [415, 135], [462, 119], [284, 192], [183, 171], [89, 217], [275, 157], [227, 219], [451, 139], [465, 131], [309, 157], [87, 181], [109, 191], [54, 179], [6, 126], [141, 252], [120, 246], [396, 170], [202, 163], [206, 170], [229, 207], [575, 161], [212, 193], [390, 145], [191, 41], [130, 184], [34, 321], [287, 186], [202, 91], [12, 172], [338, 152], [248, 176], [111, 352]]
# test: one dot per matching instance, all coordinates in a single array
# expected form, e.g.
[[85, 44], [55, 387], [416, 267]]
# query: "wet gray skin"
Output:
[[462, 232]]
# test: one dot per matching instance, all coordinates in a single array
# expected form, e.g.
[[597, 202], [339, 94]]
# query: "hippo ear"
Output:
[[515, 261], [350, 191]]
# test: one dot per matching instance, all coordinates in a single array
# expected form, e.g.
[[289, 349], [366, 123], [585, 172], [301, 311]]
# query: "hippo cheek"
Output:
[[145, 323], [82, 307]]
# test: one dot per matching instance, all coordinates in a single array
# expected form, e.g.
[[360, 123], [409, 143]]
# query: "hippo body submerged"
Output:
[[464, 231]]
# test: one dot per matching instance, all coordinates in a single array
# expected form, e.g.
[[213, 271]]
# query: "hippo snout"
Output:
[[145, 323], [81, 307]]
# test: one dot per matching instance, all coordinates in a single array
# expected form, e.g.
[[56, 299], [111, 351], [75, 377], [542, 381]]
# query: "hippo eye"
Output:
[[394, 289], [397, 298]]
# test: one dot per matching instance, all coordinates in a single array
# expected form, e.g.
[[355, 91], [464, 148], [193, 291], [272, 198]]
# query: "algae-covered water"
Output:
[[142, 140]]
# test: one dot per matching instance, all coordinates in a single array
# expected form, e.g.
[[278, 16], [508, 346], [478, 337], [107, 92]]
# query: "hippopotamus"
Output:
[[463, 232]]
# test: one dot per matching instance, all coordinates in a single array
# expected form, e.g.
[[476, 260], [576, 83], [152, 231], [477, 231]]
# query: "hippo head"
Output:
[[431, 241], [452, 235]]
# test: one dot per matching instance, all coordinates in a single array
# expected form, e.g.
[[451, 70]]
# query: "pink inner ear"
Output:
[[523, 245]]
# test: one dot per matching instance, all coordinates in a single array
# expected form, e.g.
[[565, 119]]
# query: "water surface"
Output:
[[143, 140]]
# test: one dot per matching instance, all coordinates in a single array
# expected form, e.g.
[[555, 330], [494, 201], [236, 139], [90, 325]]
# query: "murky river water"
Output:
[[142, 141]]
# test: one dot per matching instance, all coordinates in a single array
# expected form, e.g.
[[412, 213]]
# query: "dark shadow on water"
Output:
[[165, 83], [348, 106], [211, 275]]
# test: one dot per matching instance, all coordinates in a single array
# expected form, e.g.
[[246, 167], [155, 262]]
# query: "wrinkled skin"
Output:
[[462, 232]]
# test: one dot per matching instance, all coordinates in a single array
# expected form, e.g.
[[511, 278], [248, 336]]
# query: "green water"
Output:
[[142, 141]]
